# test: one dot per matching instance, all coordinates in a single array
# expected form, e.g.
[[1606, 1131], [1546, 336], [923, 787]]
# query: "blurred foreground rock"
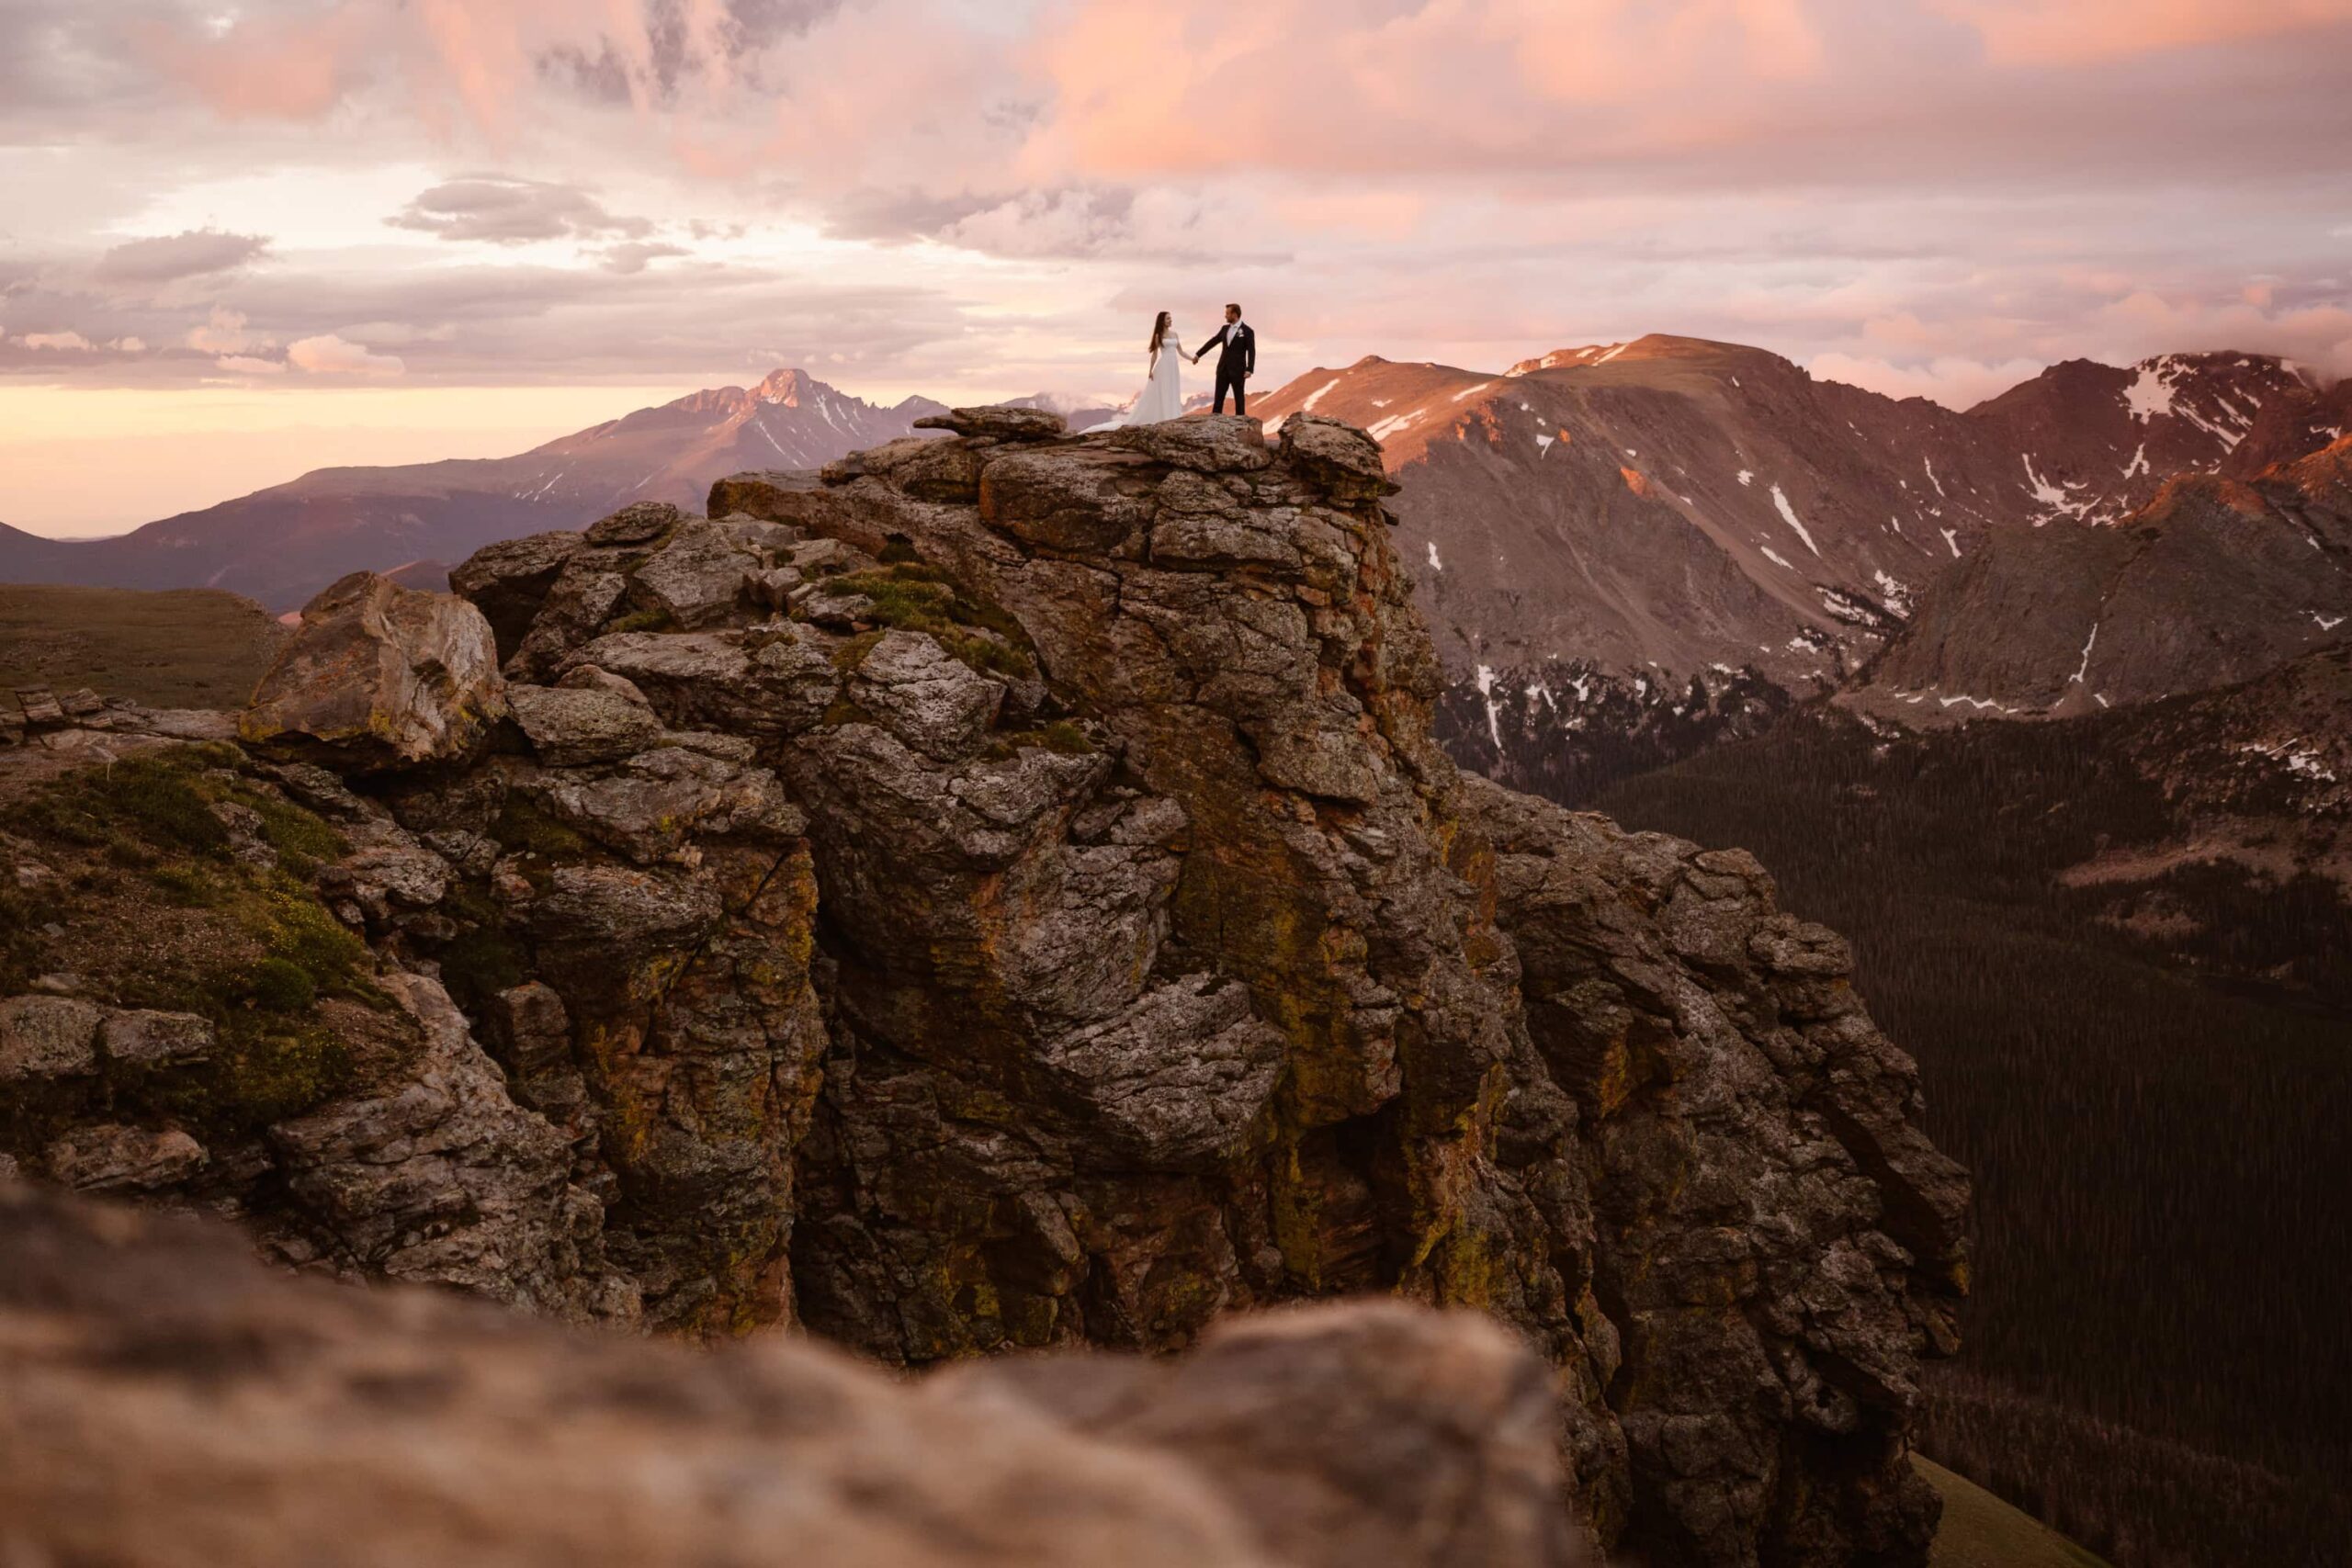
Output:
[[166, 1400]]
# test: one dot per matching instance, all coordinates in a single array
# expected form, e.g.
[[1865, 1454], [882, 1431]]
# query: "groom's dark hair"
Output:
[[1235, 308]]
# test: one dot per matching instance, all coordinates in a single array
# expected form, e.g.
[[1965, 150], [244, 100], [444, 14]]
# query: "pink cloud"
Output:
[[1952, 381], [223, 333], [2073, 32], [2148, 322], [292, 68], [331, 355]]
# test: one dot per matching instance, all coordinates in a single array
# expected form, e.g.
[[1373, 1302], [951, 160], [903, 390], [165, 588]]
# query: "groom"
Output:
[[1237, 362]]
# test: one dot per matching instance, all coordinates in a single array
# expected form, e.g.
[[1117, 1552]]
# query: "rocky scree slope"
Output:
[[1004, 892]]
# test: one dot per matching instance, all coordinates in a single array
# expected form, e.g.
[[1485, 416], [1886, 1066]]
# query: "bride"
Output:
[[1162, 397]]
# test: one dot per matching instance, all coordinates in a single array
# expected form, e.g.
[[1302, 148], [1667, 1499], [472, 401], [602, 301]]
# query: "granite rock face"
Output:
[[397, 1427], [1003, 894]]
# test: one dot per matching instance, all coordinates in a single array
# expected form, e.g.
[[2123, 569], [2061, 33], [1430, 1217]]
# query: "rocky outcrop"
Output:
[[1773, 1239], [1004, 893], [340, 1426]]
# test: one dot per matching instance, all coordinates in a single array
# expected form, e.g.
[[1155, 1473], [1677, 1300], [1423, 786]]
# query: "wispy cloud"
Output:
[[166, 259], [511, 211]]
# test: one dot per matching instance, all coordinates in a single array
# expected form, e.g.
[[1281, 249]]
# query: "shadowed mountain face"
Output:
[[1629, 551], [281, 544], [2213, 582]]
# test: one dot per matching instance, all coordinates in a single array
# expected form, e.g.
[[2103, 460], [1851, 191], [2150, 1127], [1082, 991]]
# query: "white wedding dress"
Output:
[[1162, 397]]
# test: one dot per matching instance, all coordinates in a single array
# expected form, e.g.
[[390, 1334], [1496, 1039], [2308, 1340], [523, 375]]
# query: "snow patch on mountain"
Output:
[[2151, 391], [2083, 669], [1789, 515]]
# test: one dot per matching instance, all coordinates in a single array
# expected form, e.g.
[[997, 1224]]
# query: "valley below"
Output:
[[2150, 1111]]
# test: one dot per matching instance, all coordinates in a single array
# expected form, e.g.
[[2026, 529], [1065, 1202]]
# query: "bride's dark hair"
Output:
[[1159, 331]]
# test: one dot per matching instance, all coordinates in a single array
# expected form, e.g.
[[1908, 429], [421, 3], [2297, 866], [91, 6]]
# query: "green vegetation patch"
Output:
[[263, 1069], [153, 909], [524, 827], [916, 597], [1061, 737], [157, 810], [653, 620]]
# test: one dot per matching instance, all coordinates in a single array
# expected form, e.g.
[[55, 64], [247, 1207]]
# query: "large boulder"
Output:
[[48, 1037], [106, 1157], [696, 576], [568, 726], [1212, 444], [1341, 456], [640, 523], [925, 697], [380, 676], [998, 422]]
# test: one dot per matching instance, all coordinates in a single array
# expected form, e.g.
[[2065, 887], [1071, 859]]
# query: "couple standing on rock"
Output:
[[1162, 397]]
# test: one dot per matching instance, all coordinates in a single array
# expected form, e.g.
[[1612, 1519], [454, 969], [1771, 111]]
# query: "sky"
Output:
[[247, 238]]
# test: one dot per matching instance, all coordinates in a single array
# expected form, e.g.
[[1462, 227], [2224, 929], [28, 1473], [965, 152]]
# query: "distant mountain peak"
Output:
[[282, 544], [791, 387], [1561, 358], [1649, 347]]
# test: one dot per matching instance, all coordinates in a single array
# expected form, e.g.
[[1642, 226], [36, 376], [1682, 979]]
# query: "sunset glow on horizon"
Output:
[[263, 236]]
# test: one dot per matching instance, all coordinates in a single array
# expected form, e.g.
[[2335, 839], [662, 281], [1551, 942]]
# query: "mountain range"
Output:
[[281, 544], [1631, 550], [1628, 551]]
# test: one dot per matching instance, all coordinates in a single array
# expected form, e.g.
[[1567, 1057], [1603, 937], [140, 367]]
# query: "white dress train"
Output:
[[1162, 397]]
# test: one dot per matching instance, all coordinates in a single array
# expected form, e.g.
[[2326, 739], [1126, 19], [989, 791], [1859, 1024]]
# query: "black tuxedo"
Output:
[[1236, 365]]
